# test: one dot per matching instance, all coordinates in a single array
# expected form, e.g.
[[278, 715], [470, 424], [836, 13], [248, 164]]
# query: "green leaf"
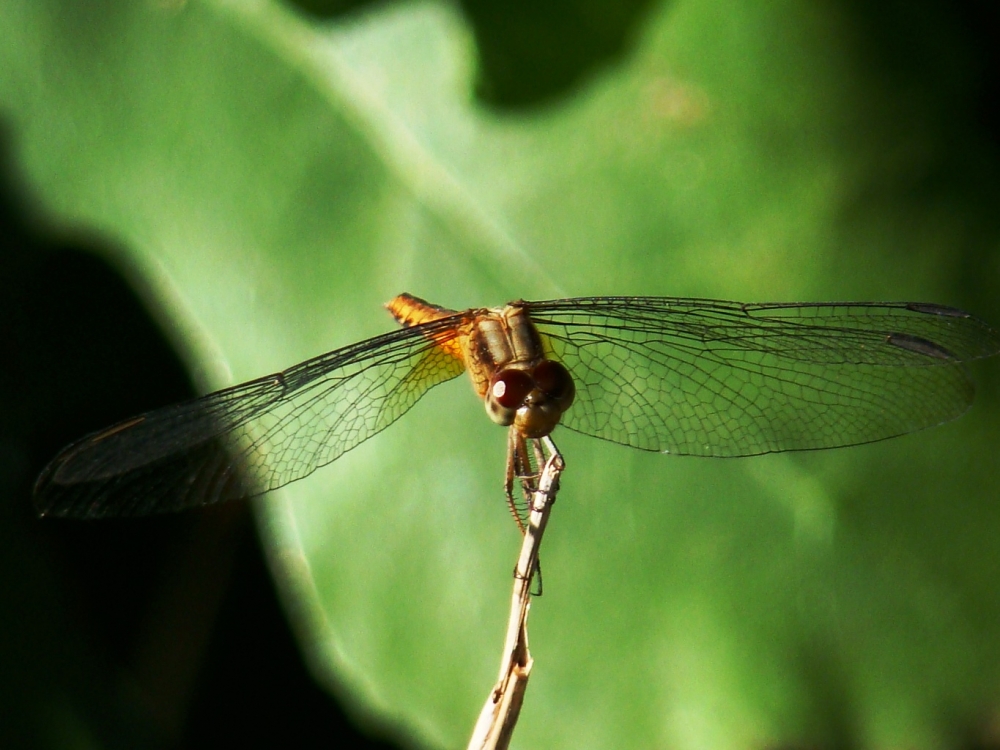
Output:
[[276, 179]]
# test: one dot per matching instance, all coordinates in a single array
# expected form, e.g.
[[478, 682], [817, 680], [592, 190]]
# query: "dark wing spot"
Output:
[[919, 346], [932, 309]]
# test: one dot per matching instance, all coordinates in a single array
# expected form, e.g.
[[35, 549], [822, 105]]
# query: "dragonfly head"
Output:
[[533, 400]]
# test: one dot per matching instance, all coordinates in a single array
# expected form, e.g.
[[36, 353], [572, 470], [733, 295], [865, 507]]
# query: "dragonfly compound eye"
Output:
[[554, 381], [551, 394], [508, 390], [511, 387]]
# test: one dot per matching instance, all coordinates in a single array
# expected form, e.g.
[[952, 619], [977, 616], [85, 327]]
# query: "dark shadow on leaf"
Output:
[[153, 633], [532, 54]]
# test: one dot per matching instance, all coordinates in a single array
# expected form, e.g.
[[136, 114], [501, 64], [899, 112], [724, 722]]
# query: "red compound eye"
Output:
[[510, 387], [553, 379]]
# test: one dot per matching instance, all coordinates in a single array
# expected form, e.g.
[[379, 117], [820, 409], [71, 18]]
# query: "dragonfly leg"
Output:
[[544, 450], [515, 445], [530, 465], [536, 577]]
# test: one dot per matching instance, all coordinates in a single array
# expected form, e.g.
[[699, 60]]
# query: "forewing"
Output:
[[250, 438], [712, 378]]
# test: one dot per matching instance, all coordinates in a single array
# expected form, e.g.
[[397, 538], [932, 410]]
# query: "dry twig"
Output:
[[499, 715]]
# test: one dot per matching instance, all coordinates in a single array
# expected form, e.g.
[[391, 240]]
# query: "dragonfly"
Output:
[[681, 376]]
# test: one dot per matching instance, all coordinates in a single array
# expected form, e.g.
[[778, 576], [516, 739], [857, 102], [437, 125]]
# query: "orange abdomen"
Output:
[[411, 311]]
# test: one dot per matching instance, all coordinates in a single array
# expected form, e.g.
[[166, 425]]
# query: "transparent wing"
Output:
[[713, 378], [250, 438]]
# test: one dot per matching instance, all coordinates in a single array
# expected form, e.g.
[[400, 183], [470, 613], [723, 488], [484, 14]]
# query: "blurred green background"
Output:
[[197, 193]]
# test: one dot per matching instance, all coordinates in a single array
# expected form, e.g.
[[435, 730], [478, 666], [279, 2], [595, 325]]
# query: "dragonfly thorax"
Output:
[[506, 361]]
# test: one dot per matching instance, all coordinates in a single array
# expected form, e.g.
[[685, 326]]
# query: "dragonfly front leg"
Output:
[[524, 465], [515, 455]]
